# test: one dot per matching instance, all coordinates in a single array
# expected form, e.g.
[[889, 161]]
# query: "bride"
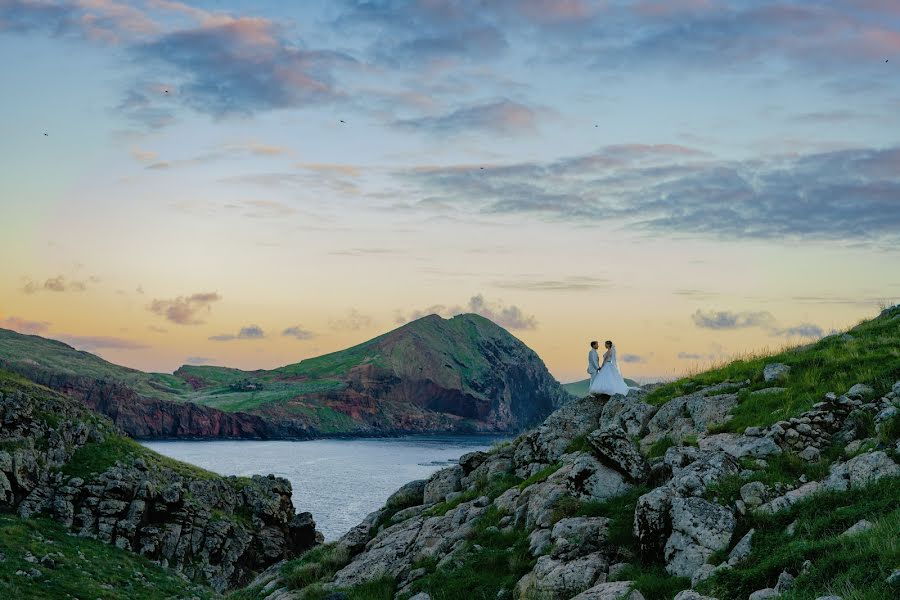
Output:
[[608, 379]]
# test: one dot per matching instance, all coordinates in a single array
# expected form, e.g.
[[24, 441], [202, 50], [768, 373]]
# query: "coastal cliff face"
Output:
[[464, 374], [745, 482], [62, 461]]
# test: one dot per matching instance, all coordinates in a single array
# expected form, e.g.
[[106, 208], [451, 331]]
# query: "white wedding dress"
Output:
[[609, 380]]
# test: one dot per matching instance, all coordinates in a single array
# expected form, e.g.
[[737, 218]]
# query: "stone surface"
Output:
[[859, 527], [411, 494], [699, 528], [742, 549], [861, 471], [616, 590], [775, 372], [763, 594], [442, 483], [860, 390], [615, 449]]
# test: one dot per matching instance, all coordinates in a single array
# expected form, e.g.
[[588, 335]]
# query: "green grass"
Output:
[[653, 582], [780, 468], [579, 444], [492, 488], [831, 364], [87, 568], [659, 447], [502, 560], [314, 566], [540, 476], [619, 511], [853, 567]]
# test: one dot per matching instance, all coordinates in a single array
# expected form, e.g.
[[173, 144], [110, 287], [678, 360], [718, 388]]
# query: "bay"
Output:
[[339, 481]]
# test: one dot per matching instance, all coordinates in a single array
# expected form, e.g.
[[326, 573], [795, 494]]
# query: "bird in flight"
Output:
[[167, 91], [343, 121], [45, 134]]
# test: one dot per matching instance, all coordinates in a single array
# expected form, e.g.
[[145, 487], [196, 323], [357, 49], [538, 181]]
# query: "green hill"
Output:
[[432, 374]]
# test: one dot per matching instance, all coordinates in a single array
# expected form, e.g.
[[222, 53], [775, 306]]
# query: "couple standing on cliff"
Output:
[[605, 377]]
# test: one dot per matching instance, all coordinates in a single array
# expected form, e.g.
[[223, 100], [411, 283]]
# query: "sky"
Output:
[[254, 183]]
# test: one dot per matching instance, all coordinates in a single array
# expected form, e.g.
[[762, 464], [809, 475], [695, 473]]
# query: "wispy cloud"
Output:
[[732, 320], [198, 360], [508, 316], [99, 342], [352, 320], [804, 330], [60, 283], [24, 325], [574, 283], [632, 358], [185, 310], [250, 332], [503, 117], [297, 332]]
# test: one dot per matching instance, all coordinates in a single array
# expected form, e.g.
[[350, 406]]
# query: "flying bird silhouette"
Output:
[[45, 134], [343, 121]]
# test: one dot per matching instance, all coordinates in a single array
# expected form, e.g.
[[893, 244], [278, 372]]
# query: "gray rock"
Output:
[[810, 454], [829, 598], [785, 582], [411, 494], [775, 372], [740, 446], [893, 578], [588, 479], [691, 595], [767, 391], [763, 594], [616, 570], [790, 498], [860, 391], [627, 414], [742, 549], [753, 493], [859, 527], [616, 590], [699, 528], [442, 483], [471, 461], [614, 448], [896, 388], [421, 596], [539, 542], [860, 471], [558, 580], [577, 536]]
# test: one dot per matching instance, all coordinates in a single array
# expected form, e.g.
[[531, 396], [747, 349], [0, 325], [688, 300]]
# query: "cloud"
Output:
[[846, 195], [503, 117], [632, 358], [732, 320], [568, 284], [353, 320], [91, 343], [24, 326], [806, 330], [244, 65], [198, 360], [102, 21], [508, 316], [298, 332], [250, 332], [184, 310], [57, 284], [692, 356]]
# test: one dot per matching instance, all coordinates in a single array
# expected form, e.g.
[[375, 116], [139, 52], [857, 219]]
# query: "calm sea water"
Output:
[[338, 481]]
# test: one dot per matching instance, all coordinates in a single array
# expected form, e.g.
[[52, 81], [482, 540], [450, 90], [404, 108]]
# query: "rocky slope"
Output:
[[653, 496], [61, 461], [432, 374]]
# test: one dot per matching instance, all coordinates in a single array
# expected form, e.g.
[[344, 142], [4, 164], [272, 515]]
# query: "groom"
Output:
[[593, 361]]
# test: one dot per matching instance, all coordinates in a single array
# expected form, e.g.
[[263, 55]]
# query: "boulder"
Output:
[[411, 494], [442, 483], [860, 471], [790, 498], [616, 590], [740, 446], [785, 582], [691, 595], [699, 528], [588, 479], [764, 594], [860, 391], [859, 527], [577, 536], [614, 449], [775, 372], [742, 549], [627, 414], [753, 493], [554, 579]]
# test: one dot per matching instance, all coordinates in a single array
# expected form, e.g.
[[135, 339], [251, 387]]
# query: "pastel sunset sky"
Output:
[[251, 183]]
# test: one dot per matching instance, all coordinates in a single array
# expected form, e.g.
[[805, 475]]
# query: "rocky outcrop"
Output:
[[61, 460]]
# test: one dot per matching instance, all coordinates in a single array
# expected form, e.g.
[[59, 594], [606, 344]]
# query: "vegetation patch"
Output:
[[492, 488], [871, 355], [653, 582], [619, 511], [659, 447], [853, 567], [491, 561], [80, 567]]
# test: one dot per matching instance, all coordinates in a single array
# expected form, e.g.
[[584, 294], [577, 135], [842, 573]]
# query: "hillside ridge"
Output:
[[463, 374]]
